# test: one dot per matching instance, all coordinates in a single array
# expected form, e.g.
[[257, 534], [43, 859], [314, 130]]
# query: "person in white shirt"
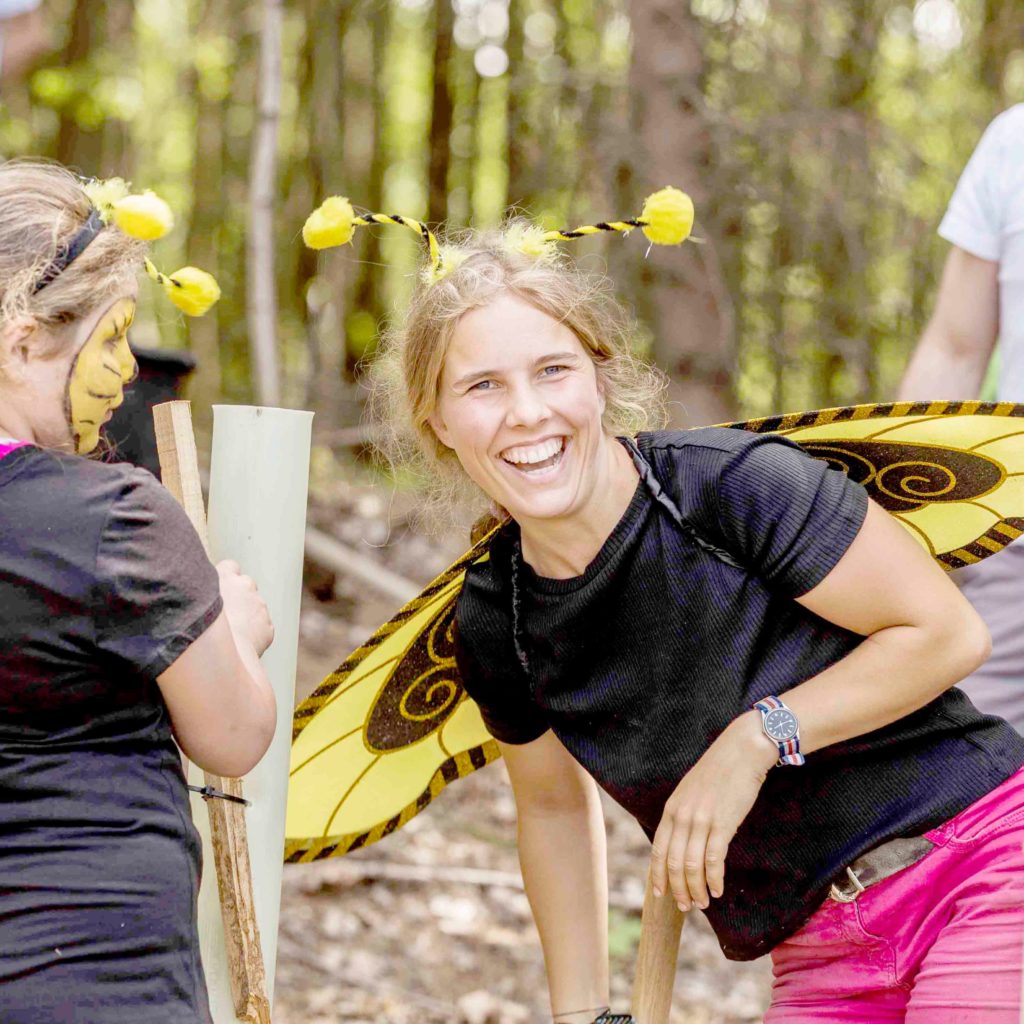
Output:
[[980, 299]]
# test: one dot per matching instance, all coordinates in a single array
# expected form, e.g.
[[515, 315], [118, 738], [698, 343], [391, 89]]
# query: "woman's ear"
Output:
[[437, 425]]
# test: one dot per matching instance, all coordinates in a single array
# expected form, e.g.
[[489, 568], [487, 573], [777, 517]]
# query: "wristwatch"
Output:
[[782, 728]]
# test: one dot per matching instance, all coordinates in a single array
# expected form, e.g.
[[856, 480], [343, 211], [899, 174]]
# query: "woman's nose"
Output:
[[526, 406]]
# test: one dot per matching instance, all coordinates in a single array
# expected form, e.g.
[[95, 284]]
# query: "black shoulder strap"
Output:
[[657, 492]]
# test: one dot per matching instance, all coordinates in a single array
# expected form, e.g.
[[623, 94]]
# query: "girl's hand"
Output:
[[705, 810], [244, 606]]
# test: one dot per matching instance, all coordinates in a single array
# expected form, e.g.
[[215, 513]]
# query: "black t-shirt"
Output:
[[103, 584], [641, 661]]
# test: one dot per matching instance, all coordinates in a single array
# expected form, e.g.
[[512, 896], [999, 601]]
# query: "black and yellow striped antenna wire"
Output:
[[666, 219]]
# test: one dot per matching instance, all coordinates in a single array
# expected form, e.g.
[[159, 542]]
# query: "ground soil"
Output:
[[431, 925]]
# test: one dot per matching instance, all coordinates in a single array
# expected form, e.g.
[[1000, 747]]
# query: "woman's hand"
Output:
[[705, 810], [246, 611]]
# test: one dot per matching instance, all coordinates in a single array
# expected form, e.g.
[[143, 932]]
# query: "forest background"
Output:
[[820, 141]]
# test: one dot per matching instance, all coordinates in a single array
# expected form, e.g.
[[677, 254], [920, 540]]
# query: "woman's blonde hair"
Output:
[[42, 206], [407, 373]]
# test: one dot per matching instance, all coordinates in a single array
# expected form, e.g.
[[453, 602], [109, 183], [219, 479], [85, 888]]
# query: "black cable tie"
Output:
[[209, 793]]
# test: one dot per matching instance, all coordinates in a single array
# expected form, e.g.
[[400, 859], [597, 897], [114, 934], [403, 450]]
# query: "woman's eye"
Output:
[[553, 371], [483, 385]]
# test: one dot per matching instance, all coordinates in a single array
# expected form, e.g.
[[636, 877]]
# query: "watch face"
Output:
[[780, 724]]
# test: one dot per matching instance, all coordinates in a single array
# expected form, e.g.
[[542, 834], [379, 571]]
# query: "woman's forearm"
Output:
[[564, 864], [894, 672]]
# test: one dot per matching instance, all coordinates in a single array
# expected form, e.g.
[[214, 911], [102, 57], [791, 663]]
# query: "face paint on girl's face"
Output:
[[103, 366]]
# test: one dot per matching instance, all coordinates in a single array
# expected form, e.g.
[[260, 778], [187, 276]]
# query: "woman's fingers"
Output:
[[714, 860], [694, 864], [688, 859], [659, 855], [676, 862]]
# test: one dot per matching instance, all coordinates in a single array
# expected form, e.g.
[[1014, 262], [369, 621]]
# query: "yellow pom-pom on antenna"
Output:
[[330, 224], [668, 216], [192, 290], [529, 240], [144, 216]]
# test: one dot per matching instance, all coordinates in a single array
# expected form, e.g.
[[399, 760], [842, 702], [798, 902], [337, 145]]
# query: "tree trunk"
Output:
[[466, 83], [1001, 32], [75, 148], [207, 211], [368, 288], [441, 115], [261, 298], [520, 191], [682, 292], [843, 257], [115, 136]]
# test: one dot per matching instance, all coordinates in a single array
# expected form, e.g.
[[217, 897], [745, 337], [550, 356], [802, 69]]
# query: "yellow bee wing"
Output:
[[382, 735], [392, 726], [951, 472]]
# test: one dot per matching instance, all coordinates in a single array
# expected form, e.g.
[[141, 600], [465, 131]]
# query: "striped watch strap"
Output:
[[789, 750]]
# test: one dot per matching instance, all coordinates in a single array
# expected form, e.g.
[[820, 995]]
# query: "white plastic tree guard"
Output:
[[259, 480]]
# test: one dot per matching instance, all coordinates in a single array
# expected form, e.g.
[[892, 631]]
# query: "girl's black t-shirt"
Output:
[[103, 584], [641, 661]]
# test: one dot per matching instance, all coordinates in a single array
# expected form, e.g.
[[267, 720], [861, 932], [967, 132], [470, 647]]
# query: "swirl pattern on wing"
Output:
[[419, 700], [903, 476]]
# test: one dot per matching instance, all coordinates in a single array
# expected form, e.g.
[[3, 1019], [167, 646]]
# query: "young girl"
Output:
[[117, 637], [682, 618]]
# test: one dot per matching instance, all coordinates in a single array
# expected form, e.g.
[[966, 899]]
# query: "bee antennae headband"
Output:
[[666, 219], [144, 216]]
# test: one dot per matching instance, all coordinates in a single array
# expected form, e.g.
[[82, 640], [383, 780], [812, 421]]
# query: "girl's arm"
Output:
[[564, 864], [922, 637], [221, 704]]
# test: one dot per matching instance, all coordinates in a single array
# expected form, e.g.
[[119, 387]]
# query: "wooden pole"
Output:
[[179, 468], [656, 958]]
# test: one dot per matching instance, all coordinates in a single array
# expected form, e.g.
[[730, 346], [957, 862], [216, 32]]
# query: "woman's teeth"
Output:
[[530, 458]]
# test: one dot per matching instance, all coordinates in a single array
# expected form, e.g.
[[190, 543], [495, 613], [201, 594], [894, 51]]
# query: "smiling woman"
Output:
[[117, 638], [576, 334], [521, 404], [734, 642]]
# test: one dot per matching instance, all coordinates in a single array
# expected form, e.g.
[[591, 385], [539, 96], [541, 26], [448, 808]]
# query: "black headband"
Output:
[[65, 257]]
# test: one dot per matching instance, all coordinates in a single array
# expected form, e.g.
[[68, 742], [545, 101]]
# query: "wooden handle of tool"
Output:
[[656, 958], [179, 468]]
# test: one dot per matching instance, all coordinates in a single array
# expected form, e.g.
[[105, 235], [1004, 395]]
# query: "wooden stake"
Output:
[[656, 958], [179, 468]]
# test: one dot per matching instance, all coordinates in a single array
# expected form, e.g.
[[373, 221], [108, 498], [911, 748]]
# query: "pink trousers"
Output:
[[940, 942]]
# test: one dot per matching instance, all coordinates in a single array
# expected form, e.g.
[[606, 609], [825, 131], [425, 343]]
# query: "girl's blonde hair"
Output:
[[407, 373], [42, 206]]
